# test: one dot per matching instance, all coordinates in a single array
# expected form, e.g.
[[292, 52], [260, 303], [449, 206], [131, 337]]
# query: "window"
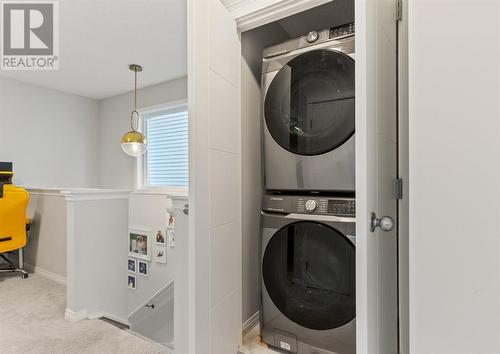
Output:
[[164, 167]]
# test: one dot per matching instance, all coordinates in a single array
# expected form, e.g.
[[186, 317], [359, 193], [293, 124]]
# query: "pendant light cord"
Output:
[[136, 125], [135, 91]]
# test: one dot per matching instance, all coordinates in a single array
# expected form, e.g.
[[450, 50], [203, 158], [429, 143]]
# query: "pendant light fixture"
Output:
[[134, 143]]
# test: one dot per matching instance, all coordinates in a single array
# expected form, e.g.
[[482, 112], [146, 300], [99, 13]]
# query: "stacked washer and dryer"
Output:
[[308, 295]]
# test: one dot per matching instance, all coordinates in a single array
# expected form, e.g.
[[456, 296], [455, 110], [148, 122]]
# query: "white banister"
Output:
[[96, 248]]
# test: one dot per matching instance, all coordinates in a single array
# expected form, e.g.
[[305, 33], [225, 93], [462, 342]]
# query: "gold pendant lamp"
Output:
[[134, 143]]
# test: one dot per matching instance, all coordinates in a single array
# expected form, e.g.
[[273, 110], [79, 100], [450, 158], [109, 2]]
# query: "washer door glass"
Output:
[[309, 106], [309, 273]]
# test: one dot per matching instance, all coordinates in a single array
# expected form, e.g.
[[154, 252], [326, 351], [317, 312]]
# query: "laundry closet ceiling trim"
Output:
[[252, 14]]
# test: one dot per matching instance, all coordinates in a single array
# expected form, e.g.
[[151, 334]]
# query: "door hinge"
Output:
[[399, 10], [398, 188]]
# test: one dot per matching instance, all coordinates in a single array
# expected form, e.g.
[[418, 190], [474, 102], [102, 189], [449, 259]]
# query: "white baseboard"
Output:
[[249, 324], [45, 273], [97, 315], [73, 316]]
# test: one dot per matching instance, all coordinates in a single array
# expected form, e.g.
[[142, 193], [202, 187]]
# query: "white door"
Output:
[[376, 169], [214, 69]]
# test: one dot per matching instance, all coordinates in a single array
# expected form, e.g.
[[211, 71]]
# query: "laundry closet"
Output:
[[298, 180], [293, 133]]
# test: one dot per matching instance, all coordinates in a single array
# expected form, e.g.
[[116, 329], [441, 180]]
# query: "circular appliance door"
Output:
[[309, 106], [309, 273]]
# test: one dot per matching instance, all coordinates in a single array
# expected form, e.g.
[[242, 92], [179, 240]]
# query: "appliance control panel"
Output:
[[317, 205], [312, 205], [342, 207], [342, 31], [314, 37]]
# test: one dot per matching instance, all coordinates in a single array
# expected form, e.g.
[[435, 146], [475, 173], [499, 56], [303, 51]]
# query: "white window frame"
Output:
[[140, 185]]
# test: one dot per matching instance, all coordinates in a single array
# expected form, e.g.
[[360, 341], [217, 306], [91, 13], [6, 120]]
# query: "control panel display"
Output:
[[342, 207], [341, 31]]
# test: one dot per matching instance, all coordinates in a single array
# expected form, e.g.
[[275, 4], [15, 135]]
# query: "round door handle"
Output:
[[386, 223]]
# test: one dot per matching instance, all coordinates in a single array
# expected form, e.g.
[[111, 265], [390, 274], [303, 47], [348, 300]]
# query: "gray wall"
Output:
[[52, 139], [51, 136], [251, 189], [46, 248], [252, 44], [117, 169]]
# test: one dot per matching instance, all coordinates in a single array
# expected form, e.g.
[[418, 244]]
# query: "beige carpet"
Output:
[[32, 321]]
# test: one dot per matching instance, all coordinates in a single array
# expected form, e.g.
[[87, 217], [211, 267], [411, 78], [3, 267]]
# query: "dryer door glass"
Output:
[[309, 273], [309, 106]]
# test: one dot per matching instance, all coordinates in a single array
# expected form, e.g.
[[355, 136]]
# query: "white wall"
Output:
[[51, 136], [96, 242], [116, 169], [149, 212], [454, 90], [214, 58]]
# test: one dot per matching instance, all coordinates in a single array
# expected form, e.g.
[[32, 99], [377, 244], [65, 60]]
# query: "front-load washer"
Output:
[[308, 275], [308, 112]]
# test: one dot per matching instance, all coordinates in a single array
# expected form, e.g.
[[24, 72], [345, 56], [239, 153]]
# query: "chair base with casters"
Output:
[[9, 267]]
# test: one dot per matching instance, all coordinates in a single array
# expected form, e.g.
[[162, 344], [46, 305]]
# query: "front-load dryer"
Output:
[[308, 112], [308, 274]]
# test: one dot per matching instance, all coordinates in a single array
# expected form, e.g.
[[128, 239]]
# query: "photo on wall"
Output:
[[160, 255], [160, 238], [132, 282], [170, 219], [139, 244], [132, 265], [143, 268], [171, 237]]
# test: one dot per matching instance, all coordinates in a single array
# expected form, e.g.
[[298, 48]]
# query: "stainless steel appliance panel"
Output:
[[303, 160]]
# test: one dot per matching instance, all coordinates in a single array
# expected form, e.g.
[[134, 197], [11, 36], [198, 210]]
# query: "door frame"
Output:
[[249, 15], [403, 174]]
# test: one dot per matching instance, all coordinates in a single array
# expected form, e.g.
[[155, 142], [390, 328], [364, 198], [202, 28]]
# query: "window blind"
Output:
[[167, 155]]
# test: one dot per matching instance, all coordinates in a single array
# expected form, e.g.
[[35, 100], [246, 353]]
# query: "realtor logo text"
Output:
[[30, 35]]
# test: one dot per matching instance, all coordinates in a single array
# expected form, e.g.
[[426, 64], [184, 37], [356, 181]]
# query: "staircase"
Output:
[[155, 319]]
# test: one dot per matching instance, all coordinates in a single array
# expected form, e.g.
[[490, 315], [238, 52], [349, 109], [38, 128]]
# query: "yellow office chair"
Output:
[[14, 225]]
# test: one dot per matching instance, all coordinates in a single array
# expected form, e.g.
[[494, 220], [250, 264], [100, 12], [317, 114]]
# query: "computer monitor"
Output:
[[6, 172], [5, 166]]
